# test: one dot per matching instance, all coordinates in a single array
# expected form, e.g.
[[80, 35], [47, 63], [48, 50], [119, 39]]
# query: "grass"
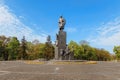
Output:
[[34, 62], [60, 62]]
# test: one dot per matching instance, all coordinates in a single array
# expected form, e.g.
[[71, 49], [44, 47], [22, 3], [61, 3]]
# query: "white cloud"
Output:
[[10, 25], [108, 35], [1, 2]]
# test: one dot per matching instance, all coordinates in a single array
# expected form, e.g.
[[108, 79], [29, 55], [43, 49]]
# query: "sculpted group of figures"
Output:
[[62, 52]]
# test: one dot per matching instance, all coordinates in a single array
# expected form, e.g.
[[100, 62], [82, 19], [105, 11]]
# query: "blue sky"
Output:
[[97, 21]]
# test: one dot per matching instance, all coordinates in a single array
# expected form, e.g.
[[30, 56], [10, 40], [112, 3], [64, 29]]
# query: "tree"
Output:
[[117, 51], [3, 47], [30, 50], [77, 50], [84, 42], [48, 51], [35, 41], [23, 48], [35, 51], [41, 50], [13, 48], [2, 50], [10, 48], [84, 51], [89, 52], [102, 55]]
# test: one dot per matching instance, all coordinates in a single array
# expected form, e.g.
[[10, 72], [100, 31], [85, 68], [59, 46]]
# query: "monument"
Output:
[[62, 52]]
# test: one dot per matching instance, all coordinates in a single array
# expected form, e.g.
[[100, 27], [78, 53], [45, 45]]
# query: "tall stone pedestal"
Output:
[[60, 48]]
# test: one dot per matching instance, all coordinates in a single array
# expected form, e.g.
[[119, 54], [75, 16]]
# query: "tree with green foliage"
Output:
[[35, 51], [89, 52], [13, 48], [41, 51], [23, 49], [84, 42], [77, 50], [102, 55], [30, 50], [2, 50], [84, 51], [3, 47], [48, 51], [116, 50]]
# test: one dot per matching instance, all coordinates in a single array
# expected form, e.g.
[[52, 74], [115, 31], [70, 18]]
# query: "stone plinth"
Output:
[[61, 45]]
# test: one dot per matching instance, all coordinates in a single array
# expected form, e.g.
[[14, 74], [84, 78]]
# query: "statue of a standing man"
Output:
[[62, 23]]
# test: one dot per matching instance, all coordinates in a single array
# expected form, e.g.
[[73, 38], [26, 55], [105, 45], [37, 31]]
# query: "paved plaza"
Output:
[[20, 70]]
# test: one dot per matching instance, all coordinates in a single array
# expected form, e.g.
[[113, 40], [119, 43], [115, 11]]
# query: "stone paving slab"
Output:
[[19, 70]]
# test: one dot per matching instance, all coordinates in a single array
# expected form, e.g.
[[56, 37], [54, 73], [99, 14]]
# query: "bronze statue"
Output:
[[62, 23]]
